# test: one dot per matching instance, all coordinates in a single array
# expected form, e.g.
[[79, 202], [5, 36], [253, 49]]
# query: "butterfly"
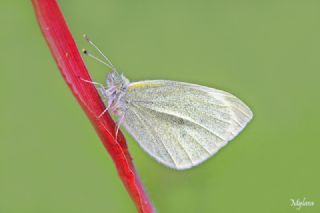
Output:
[[178, 124]]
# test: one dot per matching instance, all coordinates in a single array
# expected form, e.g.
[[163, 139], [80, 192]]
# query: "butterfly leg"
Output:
[[92, 82], [105, 92], [104, 111], [101, 87], [119, 123]]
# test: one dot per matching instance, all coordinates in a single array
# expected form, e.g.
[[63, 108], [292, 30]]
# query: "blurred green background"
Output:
[[265, 52]]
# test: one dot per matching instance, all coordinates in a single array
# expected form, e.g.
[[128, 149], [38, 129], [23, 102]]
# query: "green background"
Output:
[[265, 52]]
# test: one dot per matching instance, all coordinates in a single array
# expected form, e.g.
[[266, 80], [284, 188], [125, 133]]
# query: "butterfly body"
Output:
[[117, 86]]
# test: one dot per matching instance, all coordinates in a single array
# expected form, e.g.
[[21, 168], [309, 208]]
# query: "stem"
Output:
[[72, 68]]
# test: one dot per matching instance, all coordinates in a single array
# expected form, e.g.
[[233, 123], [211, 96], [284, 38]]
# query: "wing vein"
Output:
[[183, 148], [241, 111], [159, 102], [204, 148], [186, 119], [155, 134]]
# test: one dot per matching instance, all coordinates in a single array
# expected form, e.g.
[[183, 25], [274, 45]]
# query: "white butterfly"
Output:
[[179, 124]]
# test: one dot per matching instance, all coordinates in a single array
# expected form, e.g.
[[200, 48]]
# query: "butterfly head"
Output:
[[117, 81]]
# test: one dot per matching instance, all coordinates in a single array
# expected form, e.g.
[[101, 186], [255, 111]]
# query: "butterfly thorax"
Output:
[[117, 88]]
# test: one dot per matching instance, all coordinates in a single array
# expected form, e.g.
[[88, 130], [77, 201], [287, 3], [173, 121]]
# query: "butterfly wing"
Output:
[[181, 124]]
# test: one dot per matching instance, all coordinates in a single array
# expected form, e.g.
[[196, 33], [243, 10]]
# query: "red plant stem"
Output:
[[72, 68]]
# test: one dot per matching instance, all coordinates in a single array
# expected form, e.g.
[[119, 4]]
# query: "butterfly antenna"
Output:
[[87, 53], [95, 46]]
